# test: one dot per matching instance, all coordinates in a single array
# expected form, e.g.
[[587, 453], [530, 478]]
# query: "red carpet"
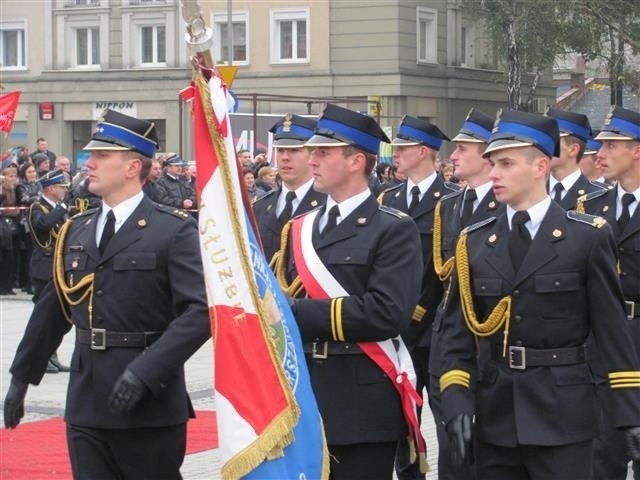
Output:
[[38, 450]]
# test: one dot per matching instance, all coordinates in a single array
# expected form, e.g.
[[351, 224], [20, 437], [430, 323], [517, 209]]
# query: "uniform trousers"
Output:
[[533, 462], [154, 453], [364, 461]]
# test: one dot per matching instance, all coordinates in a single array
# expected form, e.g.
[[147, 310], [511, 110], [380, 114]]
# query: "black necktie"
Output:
[[332, 221], [557, 189], [107, 233], [467, 206], [415, 198], [519, 238], [627, 199], [288, 207]]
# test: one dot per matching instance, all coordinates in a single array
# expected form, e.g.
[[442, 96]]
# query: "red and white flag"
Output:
[[8, 107], [259, 418]]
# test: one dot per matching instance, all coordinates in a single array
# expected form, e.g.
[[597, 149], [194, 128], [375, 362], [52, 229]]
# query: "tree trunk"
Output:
[[514, 74]]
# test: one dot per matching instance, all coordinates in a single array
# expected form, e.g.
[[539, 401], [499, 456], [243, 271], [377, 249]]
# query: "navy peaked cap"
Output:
[[416, 131], [570, 123], [514, 129], [476, 128], [338, 126], [292, 131], [620, 124], [117, 131], [55, 177]]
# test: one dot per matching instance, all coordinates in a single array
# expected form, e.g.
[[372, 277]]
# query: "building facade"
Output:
[[73, 58]]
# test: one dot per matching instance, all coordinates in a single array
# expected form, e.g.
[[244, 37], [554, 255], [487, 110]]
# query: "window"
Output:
[[12, 47], [87, 46], [152, 45], [81, 3], [427, 28], [290, 36], [240, 37]]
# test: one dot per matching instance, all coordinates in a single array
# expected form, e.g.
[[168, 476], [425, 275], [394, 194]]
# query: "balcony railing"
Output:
[[81, 3]]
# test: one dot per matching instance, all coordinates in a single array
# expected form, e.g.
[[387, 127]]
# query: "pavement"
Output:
[[47, 400]]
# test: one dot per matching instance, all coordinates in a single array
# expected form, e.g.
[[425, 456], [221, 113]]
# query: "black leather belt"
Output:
[[100, 339], [521, 358], [321, 350], [632, 309]]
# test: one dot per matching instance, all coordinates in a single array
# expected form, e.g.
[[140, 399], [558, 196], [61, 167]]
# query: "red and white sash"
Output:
[[395, 362]]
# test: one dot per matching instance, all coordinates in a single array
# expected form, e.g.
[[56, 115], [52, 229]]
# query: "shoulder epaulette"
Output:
[[392, 211], [176, 212], [602, 185], [479, 225], [86, 212], [593, 220], [306, 213], [452, 186], [264, 195], [380, 198], [590, 196], [453, 194]]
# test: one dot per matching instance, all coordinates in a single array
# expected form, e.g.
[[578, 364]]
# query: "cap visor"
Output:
[[322, 141], [288, 143], [608, 135], [100, 145], [402, 141], [504, 144], [463, 137]]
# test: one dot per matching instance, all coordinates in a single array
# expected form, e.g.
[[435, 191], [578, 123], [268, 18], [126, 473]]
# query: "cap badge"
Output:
[[286, 124]]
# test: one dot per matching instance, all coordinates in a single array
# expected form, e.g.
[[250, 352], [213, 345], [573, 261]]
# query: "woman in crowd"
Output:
[[10, 229], [27, 192], [250, 181], [266, 178]]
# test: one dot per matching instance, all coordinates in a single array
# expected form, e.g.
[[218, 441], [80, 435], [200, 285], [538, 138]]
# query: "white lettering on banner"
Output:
[[126, 107]]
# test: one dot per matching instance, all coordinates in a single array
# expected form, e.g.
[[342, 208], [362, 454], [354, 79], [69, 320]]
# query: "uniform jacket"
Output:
[[419, 331], [581, 187], [148, 280], [44, 222], [566, 288], [264, 209], [450, 210], [366, 252], [603, 203], [172, 192]]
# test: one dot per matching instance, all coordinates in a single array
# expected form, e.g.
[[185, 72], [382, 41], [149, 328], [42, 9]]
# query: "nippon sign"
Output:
[[126, 107]]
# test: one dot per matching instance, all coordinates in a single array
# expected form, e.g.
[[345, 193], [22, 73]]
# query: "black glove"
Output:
[[632, 436], [126, 393], [14, 403], [459, 432]]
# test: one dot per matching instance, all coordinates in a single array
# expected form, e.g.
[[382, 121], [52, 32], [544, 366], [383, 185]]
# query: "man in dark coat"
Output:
[[296, 195], [620, 162], [415, 149], [454, 212], [357, 250], [130, 278], [530, 286], [171, 188], [46, 216], [566, 182]]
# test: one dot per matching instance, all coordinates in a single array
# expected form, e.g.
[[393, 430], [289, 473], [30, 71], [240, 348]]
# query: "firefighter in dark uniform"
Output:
[[415, 148], [530, 286], [120, 277], [566, 182], [171, 188], [45, 218], [455, 211], [620, 161], [296, 195], [366, 248]]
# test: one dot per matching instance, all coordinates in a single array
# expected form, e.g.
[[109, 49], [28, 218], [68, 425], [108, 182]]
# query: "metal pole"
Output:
[[229, 33]]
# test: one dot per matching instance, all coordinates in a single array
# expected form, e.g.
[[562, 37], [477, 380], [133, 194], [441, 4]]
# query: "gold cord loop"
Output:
[[279, 265], [500, 315], [443, 269]]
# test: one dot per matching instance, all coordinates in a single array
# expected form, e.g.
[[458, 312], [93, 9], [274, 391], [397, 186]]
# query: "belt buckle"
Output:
[[517, 363], [98, 339], [631, 309], [320, 355]]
